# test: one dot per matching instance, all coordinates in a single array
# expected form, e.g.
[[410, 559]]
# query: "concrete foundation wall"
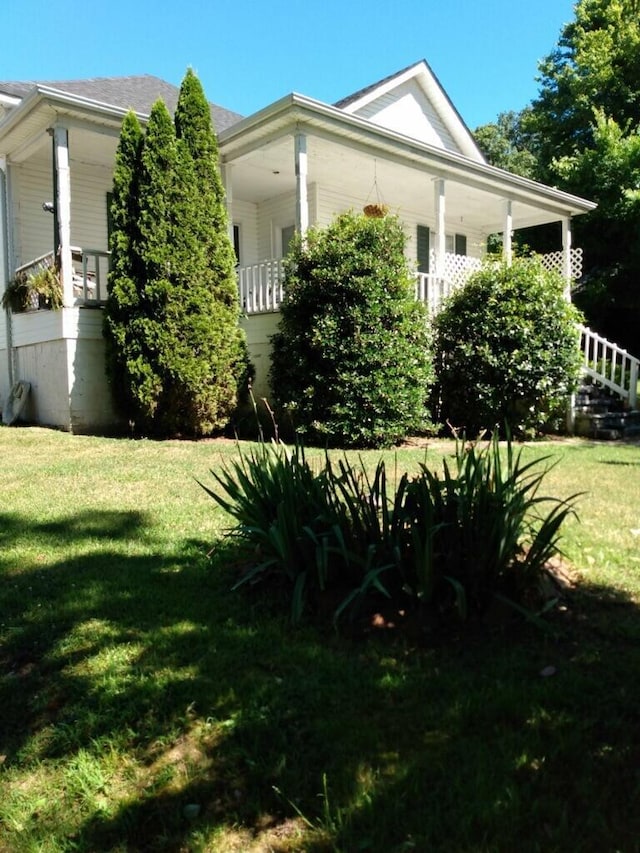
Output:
[[259, 328]]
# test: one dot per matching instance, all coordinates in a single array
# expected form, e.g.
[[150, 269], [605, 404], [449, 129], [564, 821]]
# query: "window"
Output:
[[109, 218], [236, 242], [286, 236], [422, 241]]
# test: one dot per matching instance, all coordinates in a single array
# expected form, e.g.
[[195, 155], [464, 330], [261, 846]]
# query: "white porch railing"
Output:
[[90, 271], [610, 365], [260, 285]]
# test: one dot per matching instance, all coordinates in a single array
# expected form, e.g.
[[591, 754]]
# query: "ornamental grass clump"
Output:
[[447, 545], [289, 521]]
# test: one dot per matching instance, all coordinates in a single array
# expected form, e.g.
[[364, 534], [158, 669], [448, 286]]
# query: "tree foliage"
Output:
[[503, 145], [176, 353], [506, 348], [351, 359], [596, 66], [580, 134]]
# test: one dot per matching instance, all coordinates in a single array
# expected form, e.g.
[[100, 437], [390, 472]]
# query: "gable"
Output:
[[407, 110], [413, 103]]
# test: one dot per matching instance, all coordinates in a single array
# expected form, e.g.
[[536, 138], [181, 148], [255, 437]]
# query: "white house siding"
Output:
[[259, 328], [245, 214], [31, 185], [331, 202], [89, 187], [277, 213], [407, 110], [273, 215]]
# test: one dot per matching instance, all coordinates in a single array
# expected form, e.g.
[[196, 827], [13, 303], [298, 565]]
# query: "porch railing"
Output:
[[610, 365], [260, 285], [90, 271]]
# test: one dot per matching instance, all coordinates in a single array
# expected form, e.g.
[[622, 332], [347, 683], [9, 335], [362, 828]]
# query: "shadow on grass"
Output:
[[216, 702]]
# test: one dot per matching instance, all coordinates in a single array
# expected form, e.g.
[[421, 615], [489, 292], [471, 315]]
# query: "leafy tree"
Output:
[[506, 348], [503, 145], [611, 169], [596, 66], [351, 359], [589, 86], [176, 352]]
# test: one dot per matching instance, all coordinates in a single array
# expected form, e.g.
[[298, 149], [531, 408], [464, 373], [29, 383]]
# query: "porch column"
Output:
[[441, 242], [507, 253], [226, 173], [566, 256], [62, 185], [4, 263], [302, 203]]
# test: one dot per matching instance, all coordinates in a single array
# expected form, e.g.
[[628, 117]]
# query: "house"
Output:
[[293, 164]]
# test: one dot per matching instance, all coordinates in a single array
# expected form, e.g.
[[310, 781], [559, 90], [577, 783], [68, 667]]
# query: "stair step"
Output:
[[607, 426]]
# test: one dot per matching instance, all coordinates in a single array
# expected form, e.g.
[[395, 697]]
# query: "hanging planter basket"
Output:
[[376, 211]]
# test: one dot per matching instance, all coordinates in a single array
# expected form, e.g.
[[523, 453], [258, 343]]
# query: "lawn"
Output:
[[145, 706]]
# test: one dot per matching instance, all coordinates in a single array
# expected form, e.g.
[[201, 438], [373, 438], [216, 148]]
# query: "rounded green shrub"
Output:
[[506, 349], [352, 356]]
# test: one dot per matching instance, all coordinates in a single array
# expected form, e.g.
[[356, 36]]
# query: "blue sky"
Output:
[[249, 54]]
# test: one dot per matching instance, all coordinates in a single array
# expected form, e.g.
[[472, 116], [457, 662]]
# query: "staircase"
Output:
[[605, 405]]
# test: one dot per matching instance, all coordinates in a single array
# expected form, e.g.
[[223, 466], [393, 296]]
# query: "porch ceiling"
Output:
[[362, 176], [346, 152]]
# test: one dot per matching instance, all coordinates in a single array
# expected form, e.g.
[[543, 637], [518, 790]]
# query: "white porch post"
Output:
[[63, 210], [566, 256], [226, 173], [507, 250], [441, 242], [4, 263], [302, 203]]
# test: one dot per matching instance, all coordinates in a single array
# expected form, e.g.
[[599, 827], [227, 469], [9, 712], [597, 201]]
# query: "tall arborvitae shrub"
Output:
[[506, 349], [180, 355], [213, 361], [152, 331], [352, 359], [125, 273]]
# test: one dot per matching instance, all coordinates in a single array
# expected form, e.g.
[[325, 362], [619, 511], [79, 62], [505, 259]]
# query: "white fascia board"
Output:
[[62, 101], [282, 116]]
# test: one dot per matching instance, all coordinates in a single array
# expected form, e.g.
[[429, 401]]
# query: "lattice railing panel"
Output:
[[554, 261]]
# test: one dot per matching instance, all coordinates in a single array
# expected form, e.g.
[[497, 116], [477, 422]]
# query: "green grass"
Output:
[[134, 683]]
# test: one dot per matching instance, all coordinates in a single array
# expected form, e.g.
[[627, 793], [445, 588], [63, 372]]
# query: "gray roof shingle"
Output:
[[350, 99], [138, 93]]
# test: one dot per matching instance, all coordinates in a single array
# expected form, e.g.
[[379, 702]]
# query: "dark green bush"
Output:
[[352, 357], [506, 349]]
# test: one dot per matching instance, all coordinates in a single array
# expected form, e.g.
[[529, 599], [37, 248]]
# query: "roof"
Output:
[[350, 99], [137, 92]]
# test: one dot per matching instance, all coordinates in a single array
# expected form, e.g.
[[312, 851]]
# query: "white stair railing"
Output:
[[609, 365]]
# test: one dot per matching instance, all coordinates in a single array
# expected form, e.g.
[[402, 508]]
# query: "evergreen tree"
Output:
[[124, 274], [177, 352], [205, 265]]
